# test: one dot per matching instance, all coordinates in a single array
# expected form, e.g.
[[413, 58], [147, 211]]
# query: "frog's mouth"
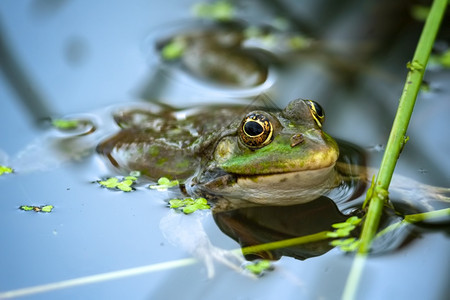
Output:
[[275, 189]]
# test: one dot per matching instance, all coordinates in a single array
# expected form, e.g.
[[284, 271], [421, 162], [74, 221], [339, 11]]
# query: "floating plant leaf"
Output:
[[125, 184], [189, 205], [26, 207], [45, 208], [110, 183], [164, 184], [174, 49], [259, 267], [65, 124], [5, 169]]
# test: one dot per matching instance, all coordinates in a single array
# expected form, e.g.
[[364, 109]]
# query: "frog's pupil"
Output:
[[253, 128]]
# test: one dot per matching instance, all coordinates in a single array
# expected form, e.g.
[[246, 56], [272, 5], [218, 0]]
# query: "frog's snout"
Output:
[[297, 139]]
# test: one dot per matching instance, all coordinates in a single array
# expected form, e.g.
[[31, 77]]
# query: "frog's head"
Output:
[[279, 157]]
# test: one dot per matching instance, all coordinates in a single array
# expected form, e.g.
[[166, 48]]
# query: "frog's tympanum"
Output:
[[252, 154]]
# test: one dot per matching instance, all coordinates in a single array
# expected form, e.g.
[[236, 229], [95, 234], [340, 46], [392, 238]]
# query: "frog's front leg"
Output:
[[187, 232]]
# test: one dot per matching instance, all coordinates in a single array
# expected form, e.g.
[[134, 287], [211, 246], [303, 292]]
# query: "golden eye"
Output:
[[256, 131], [316, 111]]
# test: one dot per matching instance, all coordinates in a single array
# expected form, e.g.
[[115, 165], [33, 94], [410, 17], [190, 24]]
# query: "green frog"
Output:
[[261, 167], [255, 154]]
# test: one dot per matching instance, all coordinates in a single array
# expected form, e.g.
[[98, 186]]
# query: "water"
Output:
[[81, 57]]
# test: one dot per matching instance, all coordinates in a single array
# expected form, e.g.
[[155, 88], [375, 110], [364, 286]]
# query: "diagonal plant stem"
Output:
[[377, 196], [397, 137]]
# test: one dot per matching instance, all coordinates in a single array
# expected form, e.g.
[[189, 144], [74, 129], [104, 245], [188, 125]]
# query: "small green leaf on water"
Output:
[[164, 184], [173, 50], [65, 124], [109, 183], [45, 208], [189, 205], [258, 267], [5, 169], [124, 185], [26, 207], [176, 203]]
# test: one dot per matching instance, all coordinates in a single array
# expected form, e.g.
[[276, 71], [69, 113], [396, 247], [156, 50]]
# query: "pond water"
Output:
[[62, 58]]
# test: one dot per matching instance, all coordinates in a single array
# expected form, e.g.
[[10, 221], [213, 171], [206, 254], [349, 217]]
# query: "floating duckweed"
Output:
[[259, 267], [5, 169], [44, 208], [65, 124], [221, 10], [189, 205], [173, 50], [164, 183], [124, 185]]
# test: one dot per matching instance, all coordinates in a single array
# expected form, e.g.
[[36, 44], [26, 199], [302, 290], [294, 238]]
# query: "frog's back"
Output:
[[166, 143]]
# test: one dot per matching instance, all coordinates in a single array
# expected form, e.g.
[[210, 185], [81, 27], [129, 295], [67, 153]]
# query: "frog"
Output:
[[248, 154]]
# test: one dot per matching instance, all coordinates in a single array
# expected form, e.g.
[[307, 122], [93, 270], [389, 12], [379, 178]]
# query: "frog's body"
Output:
[[265, 156]]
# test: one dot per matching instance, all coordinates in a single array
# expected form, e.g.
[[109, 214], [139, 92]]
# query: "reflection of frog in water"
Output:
[[239, 158]]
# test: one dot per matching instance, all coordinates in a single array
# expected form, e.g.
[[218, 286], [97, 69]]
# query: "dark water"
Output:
[[62, 58]]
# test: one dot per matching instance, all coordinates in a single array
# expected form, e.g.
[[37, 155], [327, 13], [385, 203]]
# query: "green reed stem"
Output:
[[397, 139]]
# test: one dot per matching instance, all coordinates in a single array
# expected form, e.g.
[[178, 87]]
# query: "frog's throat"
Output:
[[274, 189]]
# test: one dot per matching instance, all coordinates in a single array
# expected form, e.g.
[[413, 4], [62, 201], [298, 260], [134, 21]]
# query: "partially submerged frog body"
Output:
[[263, 156], [246, 154]]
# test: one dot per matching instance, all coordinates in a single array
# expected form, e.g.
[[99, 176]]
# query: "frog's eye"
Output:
[[256, 130], [316, 111]]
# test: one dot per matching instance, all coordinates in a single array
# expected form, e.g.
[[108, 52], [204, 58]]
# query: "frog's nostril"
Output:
[[297, 139]]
